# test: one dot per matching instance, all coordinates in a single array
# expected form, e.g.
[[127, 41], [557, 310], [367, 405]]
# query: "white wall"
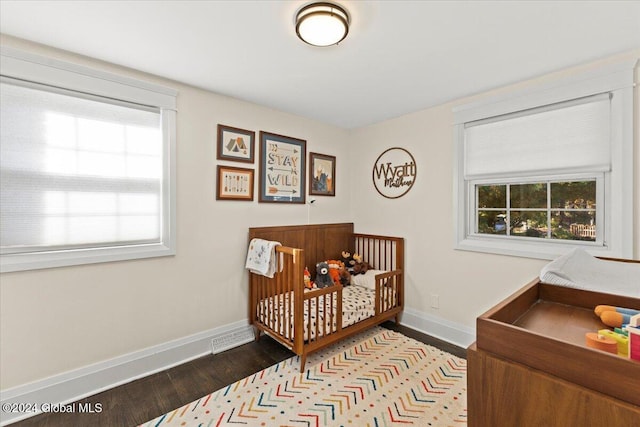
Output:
[[467, 283], [61, 319]]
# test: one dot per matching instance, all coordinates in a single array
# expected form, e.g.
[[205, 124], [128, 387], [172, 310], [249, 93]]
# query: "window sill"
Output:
[[547, 250], [41, 260]]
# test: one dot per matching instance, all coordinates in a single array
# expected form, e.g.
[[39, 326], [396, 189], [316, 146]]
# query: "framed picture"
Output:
[[322, 175], [234, 183], [235, 144], [282, 169]]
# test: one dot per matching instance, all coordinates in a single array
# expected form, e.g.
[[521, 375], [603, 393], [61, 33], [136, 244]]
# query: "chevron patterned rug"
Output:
[[377, 378]]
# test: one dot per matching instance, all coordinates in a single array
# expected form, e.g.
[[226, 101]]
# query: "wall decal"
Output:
[[394, 173]]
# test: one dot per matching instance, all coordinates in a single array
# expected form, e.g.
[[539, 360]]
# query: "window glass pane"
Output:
[[492, 222], [492, 196], [573, 195], [529, 223], [573, 225], [529, 195]]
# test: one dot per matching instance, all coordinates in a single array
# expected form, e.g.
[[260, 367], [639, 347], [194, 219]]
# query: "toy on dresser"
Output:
[[634, 337], [619, 340], [616, 317]]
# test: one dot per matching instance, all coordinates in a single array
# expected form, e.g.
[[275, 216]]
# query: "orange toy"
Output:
[[307, 279], [600, 342], [338, 272], [615, 316]]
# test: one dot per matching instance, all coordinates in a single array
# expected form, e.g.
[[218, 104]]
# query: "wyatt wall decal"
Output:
[[394, 173]]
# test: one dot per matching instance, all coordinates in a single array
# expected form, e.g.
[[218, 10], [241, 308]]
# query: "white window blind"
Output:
[[572, 136], [87, 164], [77, 171]]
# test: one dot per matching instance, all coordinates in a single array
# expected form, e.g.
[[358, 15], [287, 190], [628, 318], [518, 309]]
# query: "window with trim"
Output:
[[547, 171], [86, 162], [551, 209]]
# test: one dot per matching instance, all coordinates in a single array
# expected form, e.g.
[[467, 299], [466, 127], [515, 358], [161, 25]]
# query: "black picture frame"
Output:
[[282, 169]]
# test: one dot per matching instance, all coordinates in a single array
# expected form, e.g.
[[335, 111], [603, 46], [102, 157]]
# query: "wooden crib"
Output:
[[309, 320]]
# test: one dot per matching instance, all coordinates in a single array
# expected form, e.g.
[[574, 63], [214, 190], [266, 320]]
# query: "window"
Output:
[[562, 210], [86, 162], [548, 169]]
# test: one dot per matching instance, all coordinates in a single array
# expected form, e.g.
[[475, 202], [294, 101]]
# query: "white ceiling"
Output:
[[399, 57]]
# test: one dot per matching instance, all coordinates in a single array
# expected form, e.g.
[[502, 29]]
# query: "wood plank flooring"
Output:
[[147, 398]]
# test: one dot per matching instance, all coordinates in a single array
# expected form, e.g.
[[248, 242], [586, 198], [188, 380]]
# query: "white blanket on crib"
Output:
[[261, 257], [578, 269]]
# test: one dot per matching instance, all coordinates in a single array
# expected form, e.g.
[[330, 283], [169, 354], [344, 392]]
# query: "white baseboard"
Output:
[[80, 383], [437, 327]]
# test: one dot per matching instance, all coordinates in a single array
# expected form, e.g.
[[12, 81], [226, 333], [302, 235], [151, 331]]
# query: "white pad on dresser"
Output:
[[578, 269]]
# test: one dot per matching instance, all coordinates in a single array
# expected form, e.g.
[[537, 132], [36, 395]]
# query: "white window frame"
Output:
[[614, 206], [16, 64]]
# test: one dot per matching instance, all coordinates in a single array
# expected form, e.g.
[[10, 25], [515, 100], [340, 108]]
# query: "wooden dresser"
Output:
[[530, 366]]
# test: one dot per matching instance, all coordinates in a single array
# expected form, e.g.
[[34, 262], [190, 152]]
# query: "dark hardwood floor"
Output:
[[147, 398]]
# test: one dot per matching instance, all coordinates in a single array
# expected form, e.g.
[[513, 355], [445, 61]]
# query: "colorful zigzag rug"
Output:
[[377, 378]]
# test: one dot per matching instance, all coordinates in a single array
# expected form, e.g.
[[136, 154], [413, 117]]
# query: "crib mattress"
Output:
[[358, 303]]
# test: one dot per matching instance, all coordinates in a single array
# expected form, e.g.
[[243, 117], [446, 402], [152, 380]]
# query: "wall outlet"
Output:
[[435, 301]]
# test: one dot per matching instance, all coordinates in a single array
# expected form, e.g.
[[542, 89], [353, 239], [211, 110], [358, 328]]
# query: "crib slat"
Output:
[[317, 319]]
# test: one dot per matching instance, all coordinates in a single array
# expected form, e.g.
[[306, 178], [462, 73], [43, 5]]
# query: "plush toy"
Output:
[[348, 261], [360, 266], [345, 277], [338, 272], [307, 279], [323, 279], [615, 316]]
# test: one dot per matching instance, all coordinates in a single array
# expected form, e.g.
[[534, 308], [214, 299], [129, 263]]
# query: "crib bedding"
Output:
[[358, 303]]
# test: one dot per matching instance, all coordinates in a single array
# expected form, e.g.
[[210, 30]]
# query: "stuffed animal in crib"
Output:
[[615, 316], [338, 272], [348, 261], [307, 279], [323, 279], [345, 277], [360, 266]]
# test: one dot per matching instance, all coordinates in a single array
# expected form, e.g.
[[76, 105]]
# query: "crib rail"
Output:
[[276, 301], [388, 291], [330, 300], [386, 254], [383, 253]]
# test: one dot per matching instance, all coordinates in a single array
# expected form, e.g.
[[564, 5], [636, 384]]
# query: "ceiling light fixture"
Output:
[[322, 24]]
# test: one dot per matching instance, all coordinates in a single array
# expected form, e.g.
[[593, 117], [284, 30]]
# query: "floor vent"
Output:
[[231, 339]]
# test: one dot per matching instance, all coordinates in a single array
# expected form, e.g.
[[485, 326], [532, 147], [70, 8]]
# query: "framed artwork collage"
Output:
[[282, 168]]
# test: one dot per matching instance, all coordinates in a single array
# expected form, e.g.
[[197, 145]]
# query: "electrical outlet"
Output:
[[435, 301]]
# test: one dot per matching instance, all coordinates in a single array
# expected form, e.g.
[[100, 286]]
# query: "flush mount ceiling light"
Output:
[[322, 24]]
